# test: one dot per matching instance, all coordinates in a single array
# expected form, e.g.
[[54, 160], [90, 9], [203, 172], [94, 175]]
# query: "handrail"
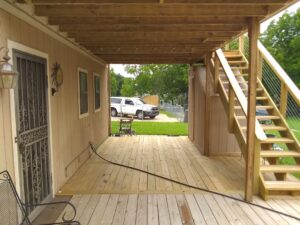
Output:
[[260, 134], [281, 74]]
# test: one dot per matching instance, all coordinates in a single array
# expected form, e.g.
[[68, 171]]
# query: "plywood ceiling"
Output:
[[153, 31]]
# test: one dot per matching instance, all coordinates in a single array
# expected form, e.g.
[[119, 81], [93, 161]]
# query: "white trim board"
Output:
[[19, 11], [14, 45]]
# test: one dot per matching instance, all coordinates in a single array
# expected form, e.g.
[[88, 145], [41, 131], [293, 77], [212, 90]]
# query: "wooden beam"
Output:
[[156, 10], [251, 115], [149, 28], [202, 2], [129, 20]]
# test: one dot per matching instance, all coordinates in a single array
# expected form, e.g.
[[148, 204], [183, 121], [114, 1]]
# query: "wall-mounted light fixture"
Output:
[[8, 76]]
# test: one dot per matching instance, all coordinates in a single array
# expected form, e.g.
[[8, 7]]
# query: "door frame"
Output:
[[26, 49]]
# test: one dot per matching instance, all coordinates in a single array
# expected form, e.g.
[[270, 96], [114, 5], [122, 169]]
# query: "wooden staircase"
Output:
[[276, 177]]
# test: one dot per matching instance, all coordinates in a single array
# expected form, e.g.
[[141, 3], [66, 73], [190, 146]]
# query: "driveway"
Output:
[[159, 118]]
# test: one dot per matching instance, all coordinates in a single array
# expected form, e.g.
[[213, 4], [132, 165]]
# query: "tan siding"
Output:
[[221, 141], [69, 134]]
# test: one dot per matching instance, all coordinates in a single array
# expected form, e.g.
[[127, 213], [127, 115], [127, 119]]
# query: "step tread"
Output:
[[279, 128], [278, 140], [270, 117], [282, 185], [280, 168], [279, 154]]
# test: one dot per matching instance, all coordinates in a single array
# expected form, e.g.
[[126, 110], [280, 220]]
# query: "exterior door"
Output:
[[32, 127]]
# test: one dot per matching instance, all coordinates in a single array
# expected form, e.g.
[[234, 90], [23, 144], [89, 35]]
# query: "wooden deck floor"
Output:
[[179, 209], [174, 157]]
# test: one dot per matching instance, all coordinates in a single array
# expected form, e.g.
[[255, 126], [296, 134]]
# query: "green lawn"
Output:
[[154, 128], [168, 114]]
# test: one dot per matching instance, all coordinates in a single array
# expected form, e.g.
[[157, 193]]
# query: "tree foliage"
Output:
[[168, 81], [128, 87], [282, 39], [116, 83]]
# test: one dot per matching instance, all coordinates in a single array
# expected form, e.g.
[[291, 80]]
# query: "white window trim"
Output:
[[96, 75], [78, 84]]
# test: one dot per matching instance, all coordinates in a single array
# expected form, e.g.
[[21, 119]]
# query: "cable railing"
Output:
[[279, 85]]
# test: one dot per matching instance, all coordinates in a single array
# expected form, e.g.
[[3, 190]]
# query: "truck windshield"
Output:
[[139, 101]]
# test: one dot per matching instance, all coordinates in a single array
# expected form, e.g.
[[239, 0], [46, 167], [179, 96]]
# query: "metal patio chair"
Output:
[[14, 212], [126, 127]]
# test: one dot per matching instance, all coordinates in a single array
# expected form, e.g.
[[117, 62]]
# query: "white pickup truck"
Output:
[[132, 106]]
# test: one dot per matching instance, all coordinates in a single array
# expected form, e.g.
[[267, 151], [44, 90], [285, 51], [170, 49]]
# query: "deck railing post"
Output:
[[241, 43], [253, 63], [231, 109], [216, 73], [283, 99]]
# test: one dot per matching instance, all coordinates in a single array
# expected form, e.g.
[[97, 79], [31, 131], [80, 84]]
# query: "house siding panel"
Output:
[[70, 135]]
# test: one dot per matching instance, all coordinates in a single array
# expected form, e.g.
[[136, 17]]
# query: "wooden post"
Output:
[[108, 96], [241, 44], [253, 62], [191, 99], [207, 105], [216, 74], [283, 99], [231, 109]]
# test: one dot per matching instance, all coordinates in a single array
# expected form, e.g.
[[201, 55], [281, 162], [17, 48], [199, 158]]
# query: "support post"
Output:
[[207, 104], [108, 98], [191, 99], [251, 138]]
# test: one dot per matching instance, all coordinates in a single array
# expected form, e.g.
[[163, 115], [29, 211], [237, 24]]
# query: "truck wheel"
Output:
[[114, 112], [140, 115]]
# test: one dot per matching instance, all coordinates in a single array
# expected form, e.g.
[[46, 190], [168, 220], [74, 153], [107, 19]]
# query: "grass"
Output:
[[168, 114], [154, 128]]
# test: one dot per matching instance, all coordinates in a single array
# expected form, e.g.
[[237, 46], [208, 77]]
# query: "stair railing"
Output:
[[235, 91], [283, 91]]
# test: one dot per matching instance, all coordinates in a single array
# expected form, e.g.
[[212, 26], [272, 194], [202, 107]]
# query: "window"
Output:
[[83, 93], [116, 100], [128, 102], [96, 92]]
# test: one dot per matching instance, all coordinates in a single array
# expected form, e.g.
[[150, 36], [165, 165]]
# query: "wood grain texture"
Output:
[[183, 209], [173, 157]]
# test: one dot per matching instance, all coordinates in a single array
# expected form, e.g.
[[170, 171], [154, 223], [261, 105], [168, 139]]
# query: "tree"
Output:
[[128, 89], [282, 39], [170, 82], [116, 83]]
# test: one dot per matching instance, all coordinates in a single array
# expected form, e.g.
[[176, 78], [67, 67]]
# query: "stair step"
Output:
[[241, 75], [278, 128], [282, 185], [275, 154], [234, 62], [278, 140], [262, 98], [265, 127], [264, 107], [258, 107], [280, 169], [269, 117], [239, 68]]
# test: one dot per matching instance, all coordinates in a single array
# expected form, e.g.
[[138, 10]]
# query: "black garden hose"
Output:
[[194, 187]]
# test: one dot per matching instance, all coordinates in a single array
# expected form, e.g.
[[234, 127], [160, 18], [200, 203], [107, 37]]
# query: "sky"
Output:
[[120, 68]]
